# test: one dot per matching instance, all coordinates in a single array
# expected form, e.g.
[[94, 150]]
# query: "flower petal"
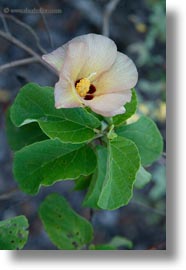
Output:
[[109, 104], [66, 96], [74, 60], [88, 54], [55, 58], [121, 110], [100, 56], [121, 76]]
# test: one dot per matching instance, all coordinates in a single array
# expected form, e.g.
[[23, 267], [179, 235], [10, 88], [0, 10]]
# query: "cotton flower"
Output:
[[92, 73]]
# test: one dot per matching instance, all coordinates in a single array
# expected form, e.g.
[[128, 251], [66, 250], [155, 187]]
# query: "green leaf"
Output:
[[145, 134], [49, 161], [82, 182], [66, 229], [13, 233], [96, 184], [123, 162], [101, 247], [22, 136], [119, 241], [112, 183], [114, 244], [36, 104], [130, 110], [143, 177]]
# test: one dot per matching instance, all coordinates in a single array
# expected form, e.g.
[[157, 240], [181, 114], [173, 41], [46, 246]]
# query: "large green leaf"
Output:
[[112, 183], [130, 110], [35, 103], [142, 178], [92, 196], [49, 161], [146, 136], [123, 162], [66, 229], [18, 137], [13, 233]]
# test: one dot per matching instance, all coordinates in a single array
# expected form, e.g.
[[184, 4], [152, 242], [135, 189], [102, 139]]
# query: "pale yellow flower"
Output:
[[92, 73]]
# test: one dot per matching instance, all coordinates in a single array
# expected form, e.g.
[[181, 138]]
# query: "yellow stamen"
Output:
[[83, 86]]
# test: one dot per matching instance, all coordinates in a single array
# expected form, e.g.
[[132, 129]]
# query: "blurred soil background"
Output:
[[138, 28]]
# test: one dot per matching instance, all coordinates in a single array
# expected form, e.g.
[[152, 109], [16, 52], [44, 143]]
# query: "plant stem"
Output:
[[17, 63]]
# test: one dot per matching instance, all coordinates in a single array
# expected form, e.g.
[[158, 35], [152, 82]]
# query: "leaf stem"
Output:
[[111, 134], [108, 120]]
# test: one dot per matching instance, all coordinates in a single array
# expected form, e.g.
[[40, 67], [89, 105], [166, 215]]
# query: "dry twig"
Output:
[[109, 9], [16, 63], [149, 208], [28, 28], [23, 46], [4, 22], [45, 24], [7, 195], [89, 9]]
